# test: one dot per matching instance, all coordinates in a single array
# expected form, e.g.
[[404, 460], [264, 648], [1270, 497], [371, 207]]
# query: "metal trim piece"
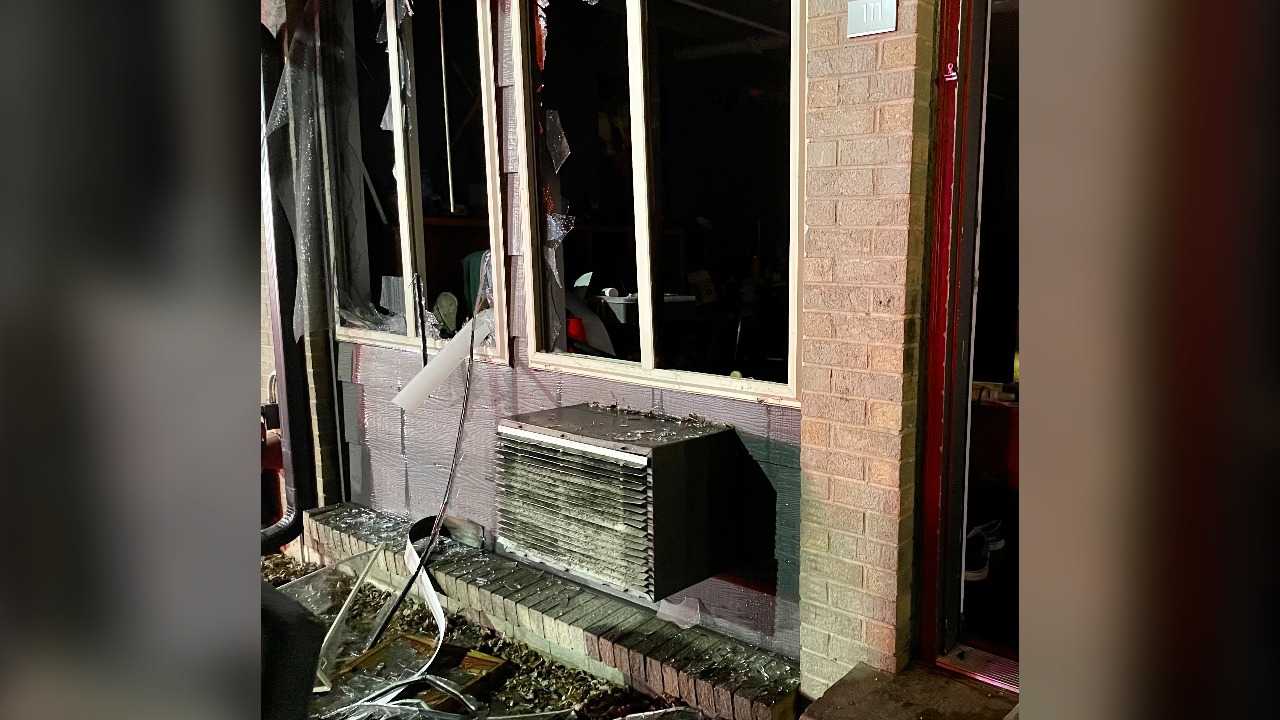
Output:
[[629, 459], [982, 666]]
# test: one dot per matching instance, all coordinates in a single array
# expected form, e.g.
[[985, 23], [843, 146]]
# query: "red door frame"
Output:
[[942, 364]]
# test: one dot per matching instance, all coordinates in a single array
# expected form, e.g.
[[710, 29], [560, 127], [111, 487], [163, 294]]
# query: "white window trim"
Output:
[[644, 373], [409, 199]]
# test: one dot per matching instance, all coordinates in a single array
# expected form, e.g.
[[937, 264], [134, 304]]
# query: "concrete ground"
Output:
[[913, 694]]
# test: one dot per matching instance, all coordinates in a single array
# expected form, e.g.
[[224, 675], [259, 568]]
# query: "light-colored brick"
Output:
[[821, 154], [876, 329], [871, 442], [862, 604], [854, 90], [881, 582], [888, 473], [884, 638], [887, 358], [838, 298], [876, 150], [815, 433], [889, 301], [870, 271], [839, 183], [838, 241], [874, 211], [823, 93], [873, 386], [845, 409], [815, 8], [895, 117], [834, 353], [820, 213], [832, 516], [813, 588], [898, 52], [891, 242], [813, 484], [841, 121], [890, 181], [824, 32], [814, 640], [857, 550], [813, 536], [885, 528], [818, 269], [866, 496], [895, 85], [885, 416], [832, 620], [844, 60], [818, 325]]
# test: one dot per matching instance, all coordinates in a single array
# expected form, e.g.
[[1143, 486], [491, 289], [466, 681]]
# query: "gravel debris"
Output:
[[534, 682]]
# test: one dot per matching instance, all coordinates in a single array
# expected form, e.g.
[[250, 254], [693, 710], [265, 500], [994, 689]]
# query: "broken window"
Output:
[[582, 159], [372, 271], [664, 215], [412, 132], [450, 134]]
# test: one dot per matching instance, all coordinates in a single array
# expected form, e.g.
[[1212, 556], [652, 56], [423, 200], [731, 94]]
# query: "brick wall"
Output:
[[868, 120]]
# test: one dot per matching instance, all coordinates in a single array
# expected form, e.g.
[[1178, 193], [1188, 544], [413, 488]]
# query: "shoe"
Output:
[[977, 556], [994, 533]]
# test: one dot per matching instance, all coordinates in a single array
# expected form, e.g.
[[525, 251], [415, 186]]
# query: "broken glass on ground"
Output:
[[532, 683]]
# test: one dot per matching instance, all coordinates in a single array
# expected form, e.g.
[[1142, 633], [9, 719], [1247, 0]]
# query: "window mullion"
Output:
[[640, 174], [409, 201], [493, 174]]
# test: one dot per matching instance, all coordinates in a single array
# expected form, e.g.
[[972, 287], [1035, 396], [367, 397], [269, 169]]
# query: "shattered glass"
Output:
[[557, 143]]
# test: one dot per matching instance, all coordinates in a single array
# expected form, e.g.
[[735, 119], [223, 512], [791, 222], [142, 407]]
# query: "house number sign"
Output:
[[868, 17]]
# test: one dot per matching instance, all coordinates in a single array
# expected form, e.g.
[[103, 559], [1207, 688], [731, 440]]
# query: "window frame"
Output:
[[645, 372], [409, 197]]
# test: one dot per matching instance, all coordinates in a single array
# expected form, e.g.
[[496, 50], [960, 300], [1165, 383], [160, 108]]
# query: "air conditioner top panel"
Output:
[[628, 431]]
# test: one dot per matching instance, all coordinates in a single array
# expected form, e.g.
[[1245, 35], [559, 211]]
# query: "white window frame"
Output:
[[645, 373], [409, 196]]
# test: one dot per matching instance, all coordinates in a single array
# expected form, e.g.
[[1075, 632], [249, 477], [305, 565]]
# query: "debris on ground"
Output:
[[534, 683]]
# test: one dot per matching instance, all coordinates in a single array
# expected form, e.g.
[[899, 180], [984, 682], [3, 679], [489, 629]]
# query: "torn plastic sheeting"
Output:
[[558, 225], [557, 143], [386, 116], [273, 15], [297, 105]]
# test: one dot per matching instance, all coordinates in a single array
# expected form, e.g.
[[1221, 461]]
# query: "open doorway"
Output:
[[974, 321], [990, 595]]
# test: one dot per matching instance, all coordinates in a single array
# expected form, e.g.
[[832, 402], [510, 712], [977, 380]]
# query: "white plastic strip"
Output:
[[433, 374], [625, 458], [411, 560]]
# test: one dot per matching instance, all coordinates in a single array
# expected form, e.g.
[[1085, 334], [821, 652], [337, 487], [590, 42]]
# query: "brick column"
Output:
[[868, 121]]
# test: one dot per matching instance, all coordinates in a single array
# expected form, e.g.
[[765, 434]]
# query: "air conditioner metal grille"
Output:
[[618, 498]]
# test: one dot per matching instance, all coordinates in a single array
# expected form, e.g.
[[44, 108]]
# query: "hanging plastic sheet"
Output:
[[558, 226], [298, 183]]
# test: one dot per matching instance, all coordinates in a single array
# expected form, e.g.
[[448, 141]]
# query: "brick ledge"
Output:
[[581, 627]]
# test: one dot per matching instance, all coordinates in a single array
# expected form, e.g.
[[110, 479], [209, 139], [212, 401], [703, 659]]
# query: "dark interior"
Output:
[[455, 224], [377, 149], [720, 136], [991, 604], [719, 139]]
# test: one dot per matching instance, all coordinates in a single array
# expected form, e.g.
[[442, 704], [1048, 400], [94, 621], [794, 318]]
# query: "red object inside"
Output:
[[577, 331]]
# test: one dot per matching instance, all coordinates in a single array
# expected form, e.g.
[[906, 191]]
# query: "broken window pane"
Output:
[[452, 165], [367, 256], [584, 203], [719, 124]]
